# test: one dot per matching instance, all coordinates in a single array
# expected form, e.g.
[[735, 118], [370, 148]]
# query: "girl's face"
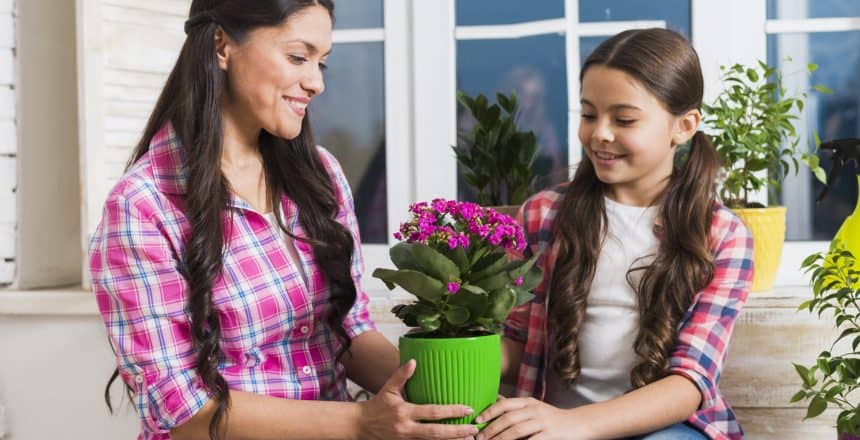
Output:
[[629, 135], [273, 75]]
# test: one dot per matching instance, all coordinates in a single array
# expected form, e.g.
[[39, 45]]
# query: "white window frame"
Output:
[[794, 252], [725, 32]]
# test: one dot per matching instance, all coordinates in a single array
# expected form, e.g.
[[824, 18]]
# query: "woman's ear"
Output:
[[222, 48], [686, 126]]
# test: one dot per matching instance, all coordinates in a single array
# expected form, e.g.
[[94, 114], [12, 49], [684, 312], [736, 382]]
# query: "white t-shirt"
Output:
[[288, 241], [612, 316]]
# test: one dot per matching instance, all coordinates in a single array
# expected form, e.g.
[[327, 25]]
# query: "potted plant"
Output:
[[454, 258], [751, 123], [834, 377], [496, 158]]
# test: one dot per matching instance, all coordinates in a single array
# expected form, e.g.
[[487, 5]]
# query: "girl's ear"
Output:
[[686, 126], [223, 46]]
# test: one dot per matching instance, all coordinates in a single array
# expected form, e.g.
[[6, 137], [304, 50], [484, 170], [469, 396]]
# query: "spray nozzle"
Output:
[[844, 151]]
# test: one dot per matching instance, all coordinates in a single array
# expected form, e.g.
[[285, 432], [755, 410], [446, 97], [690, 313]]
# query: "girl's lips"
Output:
[[606, 158]]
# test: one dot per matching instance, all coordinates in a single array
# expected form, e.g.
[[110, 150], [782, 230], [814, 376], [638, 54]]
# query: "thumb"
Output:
[[398, 380]]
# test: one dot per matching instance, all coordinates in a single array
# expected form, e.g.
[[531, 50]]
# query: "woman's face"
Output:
[[276, 71]]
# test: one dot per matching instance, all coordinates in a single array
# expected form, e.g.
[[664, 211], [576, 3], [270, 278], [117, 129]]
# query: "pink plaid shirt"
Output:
[[274, 339], [703, 334]]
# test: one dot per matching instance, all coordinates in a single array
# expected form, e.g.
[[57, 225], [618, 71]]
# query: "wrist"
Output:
[[355, 420], [581, 423]]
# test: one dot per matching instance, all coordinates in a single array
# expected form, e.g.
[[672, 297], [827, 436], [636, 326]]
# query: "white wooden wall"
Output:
[[126, 49], [8, 141]]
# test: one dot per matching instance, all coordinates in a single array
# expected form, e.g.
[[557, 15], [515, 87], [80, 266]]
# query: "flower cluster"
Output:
[[456, 258], [458, 224]]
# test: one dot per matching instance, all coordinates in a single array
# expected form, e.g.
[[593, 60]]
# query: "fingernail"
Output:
[[469, 410], [479, 419]]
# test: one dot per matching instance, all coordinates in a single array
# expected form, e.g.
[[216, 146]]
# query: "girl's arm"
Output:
[[372, 360], [668, 401]]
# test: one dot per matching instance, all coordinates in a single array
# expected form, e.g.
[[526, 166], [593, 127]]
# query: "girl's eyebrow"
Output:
[[619, 106]]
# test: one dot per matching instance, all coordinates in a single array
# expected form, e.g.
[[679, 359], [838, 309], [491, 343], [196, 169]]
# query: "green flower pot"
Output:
[[461, 371]]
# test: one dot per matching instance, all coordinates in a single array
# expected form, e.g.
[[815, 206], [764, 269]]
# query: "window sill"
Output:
[[75, 301]]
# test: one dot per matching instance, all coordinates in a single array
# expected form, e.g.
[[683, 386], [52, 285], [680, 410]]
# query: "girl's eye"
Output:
[[588, 117], [323, 67], [625, 121]]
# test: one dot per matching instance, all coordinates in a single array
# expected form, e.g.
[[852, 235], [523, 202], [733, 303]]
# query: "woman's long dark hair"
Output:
[[666, 64], [190, 102]]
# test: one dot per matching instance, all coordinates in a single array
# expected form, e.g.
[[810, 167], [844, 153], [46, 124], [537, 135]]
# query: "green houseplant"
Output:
[[453, 257], [834, 377], [752, 126], [495, 156]]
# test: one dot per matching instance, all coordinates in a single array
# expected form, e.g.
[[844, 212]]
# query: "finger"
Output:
[[434, 431], [500, 408], [520, 430], [397, 381], [504, 423], [439, 412]]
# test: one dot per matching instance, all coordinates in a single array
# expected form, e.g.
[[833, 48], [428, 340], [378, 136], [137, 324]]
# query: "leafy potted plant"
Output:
[[454, 257], [834, 377], [752, 127], [496, 158]]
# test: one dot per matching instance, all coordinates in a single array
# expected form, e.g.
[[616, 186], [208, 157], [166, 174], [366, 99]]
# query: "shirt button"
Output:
[[307, 370], [304, 329], [138, 378]]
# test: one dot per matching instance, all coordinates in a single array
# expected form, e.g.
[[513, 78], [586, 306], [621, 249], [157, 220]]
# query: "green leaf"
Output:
[[797, 397], [457, 315], [497, 262], [414, 282], [752, 75], [816, 407], [501, 303], [429, 323], [433, 262], [822, 89]]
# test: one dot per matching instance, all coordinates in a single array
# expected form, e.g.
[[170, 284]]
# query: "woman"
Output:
[[227, 264]]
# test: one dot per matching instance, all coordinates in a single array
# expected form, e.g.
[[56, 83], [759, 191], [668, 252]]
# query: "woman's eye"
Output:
[[323, 67], [625, 121], [587, 117], [296, 59]]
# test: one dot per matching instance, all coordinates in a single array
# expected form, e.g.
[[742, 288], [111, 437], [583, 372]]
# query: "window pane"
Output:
[[349, 120], [831, 116], [795, 9], [535, 68], [486, 12], [676, 13], [357, 14]]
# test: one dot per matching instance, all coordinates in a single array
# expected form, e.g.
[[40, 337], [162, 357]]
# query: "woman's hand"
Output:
[[388, 416], [517, 418]]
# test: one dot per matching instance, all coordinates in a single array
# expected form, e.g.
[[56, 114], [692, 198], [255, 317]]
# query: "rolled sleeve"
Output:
[[142, 296], [358, 320], [707, 327]]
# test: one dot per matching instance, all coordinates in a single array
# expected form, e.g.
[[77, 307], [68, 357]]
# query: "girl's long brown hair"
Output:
[[666, 64], [190, 102]]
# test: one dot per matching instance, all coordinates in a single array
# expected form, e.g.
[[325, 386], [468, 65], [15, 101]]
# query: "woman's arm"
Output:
[[668, 401], [384, 417], [371, 361]]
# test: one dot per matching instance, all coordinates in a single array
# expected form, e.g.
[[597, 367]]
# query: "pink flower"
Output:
[[518, 282], [398, 236], [453, 287], [452, 243]]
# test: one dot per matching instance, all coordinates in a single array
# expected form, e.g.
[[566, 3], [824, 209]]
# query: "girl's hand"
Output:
[[529, 418], [388, 416]]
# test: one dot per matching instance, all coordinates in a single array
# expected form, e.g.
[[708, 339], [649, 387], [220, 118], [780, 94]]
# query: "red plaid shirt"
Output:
[[704, 332], [274, 339]]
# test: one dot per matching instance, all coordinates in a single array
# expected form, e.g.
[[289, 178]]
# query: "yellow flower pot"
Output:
[[768, 230]]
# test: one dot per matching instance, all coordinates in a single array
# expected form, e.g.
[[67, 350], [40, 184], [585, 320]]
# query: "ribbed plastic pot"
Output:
[[461, 371]]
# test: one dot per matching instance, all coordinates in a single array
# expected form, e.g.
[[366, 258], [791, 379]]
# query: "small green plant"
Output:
[[834, 377], [752, 126], [497, 158], [453, 256]]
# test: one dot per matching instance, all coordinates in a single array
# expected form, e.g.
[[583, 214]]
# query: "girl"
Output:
[[646, 272], [227, 265]]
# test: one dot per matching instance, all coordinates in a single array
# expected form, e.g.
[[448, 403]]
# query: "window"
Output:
[[8, 143], [826, 33]]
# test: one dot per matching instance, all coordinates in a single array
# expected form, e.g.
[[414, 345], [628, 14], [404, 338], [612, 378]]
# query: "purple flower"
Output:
[[398, 236], [452, 244], [518, 282], [453, 287]]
